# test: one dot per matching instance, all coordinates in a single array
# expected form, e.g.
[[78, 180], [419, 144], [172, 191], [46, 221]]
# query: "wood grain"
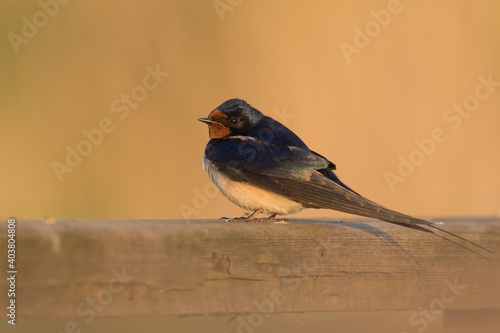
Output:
[[71, 268]]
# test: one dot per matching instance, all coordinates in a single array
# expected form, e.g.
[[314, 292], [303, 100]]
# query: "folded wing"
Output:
[[300, 174]]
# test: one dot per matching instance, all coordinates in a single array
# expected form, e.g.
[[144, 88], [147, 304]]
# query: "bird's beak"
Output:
[[207, 121]]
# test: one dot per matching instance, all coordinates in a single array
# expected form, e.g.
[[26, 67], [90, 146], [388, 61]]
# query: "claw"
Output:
[[252, 218]]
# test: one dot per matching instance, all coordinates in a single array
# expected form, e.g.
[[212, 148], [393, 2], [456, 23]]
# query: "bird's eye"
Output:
[[234, 121]]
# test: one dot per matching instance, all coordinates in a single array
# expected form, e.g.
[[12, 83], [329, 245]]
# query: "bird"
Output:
[[263, 167]]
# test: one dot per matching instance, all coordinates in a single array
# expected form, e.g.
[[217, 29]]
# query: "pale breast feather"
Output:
[[250, 197]]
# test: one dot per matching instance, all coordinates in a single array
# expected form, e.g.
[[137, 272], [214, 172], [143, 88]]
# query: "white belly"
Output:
[[250, 197]]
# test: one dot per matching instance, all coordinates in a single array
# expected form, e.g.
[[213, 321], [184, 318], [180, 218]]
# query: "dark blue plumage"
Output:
[[270, 149], [262, 166]]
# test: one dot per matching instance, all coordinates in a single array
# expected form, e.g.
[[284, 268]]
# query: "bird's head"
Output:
[[233, 117]]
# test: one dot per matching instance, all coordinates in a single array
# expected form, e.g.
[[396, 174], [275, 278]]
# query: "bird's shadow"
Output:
[[364, 227]]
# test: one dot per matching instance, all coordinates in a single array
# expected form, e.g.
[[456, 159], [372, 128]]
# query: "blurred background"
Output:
[[359, 98], [100, 100]]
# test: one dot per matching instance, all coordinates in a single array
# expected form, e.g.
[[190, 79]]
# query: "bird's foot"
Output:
[[280, 221], [248, 218], [273, 219], [252, 218]]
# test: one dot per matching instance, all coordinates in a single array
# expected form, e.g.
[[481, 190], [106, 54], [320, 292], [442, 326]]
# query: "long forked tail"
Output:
[[321, 191], [465, 240], [374, 210], [420, 227]]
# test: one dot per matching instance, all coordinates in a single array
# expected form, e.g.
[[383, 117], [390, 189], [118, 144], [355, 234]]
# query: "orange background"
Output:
[[277, 55]]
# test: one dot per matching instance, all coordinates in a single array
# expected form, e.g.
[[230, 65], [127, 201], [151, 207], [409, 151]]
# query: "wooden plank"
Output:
[[75, 268], [465, 321]]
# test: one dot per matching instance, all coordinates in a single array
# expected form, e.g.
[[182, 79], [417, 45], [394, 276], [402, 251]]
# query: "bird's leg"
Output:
[[251, 216], [272, 218]]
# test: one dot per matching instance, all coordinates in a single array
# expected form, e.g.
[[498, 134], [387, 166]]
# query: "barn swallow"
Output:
[[263, 167]]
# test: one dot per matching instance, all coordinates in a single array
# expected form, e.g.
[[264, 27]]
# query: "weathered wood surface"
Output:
[[176, 267]]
